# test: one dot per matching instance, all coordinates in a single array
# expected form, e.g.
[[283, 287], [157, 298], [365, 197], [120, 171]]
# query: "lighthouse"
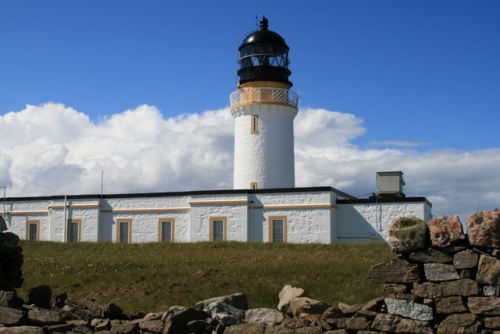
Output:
[[264, 108]]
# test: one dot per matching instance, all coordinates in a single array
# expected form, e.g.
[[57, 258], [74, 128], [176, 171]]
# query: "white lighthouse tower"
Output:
[[264, 108]]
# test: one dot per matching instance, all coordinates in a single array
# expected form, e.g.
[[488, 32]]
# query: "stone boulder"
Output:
[[462, 287], [484, 306], [450, 305], [408, 234], [11, 259], [484, 228], [249, 328], [430, 255], [445, 231], [488, 270], [459, 323], [270, 317], [409, 309], [303, 306], [286, 295], [10, 299], [40, 296], [12, 317], [466, 259], [177, 322], [440, 272], [238, 300], [395, 271], [392, 323], [225, 314], [42, 317], [22, 330]]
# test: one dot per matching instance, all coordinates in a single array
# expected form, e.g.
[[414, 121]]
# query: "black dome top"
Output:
[[264, 56], [263, 36]]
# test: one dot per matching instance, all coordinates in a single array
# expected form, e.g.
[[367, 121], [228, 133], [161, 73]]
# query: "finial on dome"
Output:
[[264, 23]]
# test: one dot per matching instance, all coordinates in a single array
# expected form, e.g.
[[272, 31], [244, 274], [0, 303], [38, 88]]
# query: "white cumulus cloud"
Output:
[[53, 149]]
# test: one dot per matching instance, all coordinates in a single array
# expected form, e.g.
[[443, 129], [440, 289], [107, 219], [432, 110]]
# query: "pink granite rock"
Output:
[[445, 230], [484, 228]]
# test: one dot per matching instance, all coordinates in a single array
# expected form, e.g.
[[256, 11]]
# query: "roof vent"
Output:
[[390, 184]]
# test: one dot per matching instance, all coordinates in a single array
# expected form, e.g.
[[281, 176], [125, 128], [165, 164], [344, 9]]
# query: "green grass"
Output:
[[151, 277]]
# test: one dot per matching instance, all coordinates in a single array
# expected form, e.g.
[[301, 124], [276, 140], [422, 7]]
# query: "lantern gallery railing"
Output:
[[270, 95]]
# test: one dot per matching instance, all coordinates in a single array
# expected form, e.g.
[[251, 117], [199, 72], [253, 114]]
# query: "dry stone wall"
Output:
[[442, 282]]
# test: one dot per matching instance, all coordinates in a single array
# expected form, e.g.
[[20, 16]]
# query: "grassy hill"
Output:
[[151, 277]]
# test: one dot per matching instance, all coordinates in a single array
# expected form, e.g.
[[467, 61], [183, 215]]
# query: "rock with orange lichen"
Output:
[[445, 231], [484, 228]]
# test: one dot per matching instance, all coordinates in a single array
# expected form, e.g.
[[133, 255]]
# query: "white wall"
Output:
[[309, 215], [369, 221], [233, 207], [268, 156], [312, 215]]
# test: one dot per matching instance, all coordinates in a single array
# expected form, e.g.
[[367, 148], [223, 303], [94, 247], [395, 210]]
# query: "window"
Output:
[[74, 229], [254, 126], [254, 185], [278, 229], [32, 229], [218, 228], [124, 229], [166, 229]]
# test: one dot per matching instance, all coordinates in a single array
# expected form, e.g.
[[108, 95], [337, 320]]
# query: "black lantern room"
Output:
[[264, 57]]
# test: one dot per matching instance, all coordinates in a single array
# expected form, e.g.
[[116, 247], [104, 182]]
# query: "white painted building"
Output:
[[296, 215], [264, 206]]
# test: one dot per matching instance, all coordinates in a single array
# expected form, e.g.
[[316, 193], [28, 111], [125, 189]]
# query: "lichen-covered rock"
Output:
[[483, 228], [492, 322], [440, 272], [450, 305], [488, 270], [430, 255], [408, 234], [224, 313], [466, 259], [484, 306], [409, 309], [445, 231], [392, 323], [462, 287], [395, 271], [459, 323]]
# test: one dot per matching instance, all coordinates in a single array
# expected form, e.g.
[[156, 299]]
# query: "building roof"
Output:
[[377, 200], [339, 193]]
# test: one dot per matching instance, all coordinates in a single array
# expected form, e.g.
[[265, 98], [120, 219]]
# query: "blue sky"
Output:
[[418, 80], [416, 71]]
